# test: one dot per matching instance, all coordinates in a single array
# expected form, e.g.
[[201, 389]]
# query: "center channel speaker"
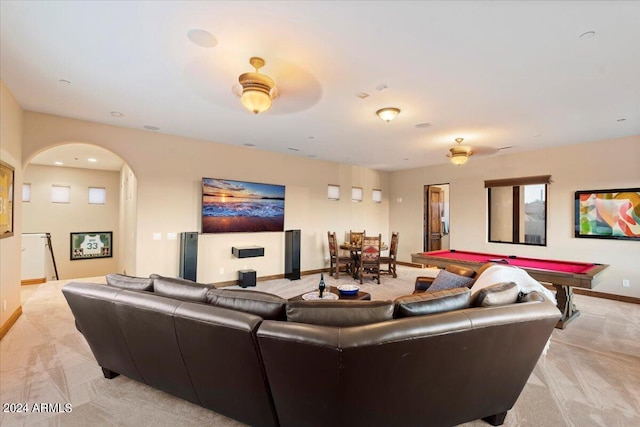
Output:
[[188, 255], [292, 254]]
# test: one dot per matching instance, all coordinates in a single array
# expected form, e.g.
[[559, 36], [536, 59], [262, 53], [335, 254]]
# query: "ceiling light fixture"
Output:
[[257, 89], [387, 114], [460, 153]]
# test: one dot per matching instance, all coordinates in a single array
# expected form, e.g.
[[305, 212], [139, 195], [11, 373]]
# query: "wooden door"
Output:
[[435, 207]]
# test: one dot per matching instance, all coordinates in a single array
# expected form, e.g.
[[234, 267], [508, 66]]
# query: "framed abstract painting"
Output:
[[608, 214]]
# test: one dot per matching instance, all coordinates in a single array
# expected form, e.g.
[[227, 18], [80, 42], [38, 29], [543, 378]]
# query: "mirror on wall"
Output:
[[518, 210]]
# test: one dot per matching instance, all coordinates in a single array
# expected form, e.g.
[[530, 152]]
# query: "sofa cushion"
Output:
[[339, 313], [432, 302], [129, 282], [448, 280], [181, 289], [267, 306], [498, 294]]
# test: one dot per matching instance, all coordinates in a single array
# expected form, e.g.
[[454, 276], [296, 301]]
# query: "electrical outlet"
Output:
[[4, 305], [221, 270], [625, 283]]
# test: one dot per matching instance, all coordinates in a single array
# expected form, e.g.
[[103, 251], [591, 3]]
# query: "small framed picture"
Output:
[[90, 245]]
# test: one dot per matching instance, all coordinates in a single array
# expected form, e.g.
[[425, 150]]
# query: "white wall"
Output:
[[11, 119], [169, 170], [61, 219], [596, 165]]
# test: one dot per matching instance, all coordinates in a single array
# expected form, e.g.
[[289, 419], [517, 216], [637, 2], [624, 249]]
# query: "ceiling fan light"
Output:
[[257, 88], [459, 158], [255, 100], [388, 114]]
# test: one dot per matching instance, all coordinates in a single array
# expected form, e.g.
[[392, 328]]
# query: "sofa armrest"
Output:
[[422, 284]]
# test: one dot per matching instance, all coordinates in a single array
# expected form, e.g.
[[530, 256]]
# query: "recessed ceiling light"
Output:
[[362, 95], [587, 35], [293, 149], [202, 38], [116, 114], [381, 87], [248, 144], [92, 160], [64, 82], [147, 127], [537, 135], [58, 163], [313, 156], [423, 125], [621, 120], [312, 137]]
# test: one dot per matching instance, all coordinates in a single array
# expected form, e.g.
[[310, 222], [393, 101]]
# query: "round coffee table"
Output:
[[360, 296]]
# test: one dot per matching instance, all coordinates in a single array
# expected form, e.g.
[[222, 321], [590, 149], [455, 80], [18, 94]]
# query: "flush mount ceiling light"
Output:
[[460, 153], [388, 114], [257, 89]]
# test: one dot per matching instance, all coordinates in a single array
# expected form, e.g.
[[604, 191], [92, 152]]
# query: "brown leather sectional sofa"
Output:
[[380, 363]]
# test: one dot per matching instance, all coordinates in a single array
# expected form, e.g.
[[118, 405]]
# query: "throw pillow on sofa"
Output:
[[498, 294], [180, 289], [129, 282], [448, 280], [432, 302], [339, 313]]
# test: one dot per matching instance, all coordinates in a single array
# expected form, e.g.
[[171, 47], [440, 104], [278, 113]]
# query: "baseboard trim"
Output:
[[411, 264], [33, 281], [596, 294], [271, 277], [10, 321]]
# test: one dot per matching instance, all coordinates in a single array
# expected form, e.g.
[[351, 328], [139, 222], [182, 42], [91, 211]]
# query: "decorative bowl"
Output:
[[348, 289]]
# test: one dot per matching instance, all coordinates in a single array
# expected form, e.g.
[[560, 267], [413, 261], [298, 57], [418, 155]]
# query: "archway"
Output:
[[75, 188]]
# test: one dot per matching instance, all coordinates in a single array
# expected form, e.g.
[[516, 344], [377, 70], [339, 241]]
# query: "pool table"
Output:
[[563, 275]]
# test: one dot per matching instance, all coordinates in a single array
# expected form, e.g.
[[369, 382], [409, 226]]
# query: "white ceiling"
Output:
[[495, 73]]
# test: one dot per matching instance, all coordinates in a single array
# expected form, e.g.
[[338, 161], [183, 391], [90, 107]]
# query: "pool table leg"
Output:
[[564, 296]]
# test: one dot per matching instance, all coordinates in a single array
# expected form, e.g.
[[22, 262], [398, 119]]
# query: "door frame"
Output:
[[426, 231]]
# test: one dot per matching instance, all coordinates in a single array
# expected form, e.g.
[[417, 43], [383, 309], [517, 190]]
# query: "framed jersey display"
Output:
[[91, 245]]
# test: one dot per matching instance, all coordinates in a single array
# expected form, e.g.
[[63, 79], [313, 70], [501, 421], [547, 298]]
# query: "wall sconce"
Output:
[[376, 196], [356, 194], [333, 192]]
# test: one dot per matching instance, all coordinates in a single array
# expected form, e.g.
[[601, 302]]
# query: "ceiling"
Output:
[[498, 74]]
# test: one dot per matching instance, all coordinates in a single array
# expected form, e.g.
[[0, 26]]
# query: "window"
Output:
[[333, 192], [356, 194], [518, 210], [60, 194], [97, 196], [26, 192]]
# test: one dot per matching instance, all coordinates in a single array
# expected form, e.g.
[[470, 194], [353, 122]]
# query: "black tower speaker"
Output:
[[188, 255], [292, 254]]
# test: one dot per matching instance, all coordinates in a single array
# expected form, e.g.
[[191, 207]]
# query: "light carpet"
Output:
[[589, 377]]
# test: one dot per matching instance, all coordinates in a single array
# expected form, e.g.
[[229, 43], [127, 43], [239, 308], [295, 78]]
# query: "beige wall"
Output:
[[128, 212], [61, 219], [11, 116], [169, 169], [596, 165]]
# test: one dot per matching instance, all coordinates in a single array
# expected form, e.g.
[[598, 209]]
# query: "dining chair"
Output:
[[390, 261], [336, 261], [369, 265], [355, 238]]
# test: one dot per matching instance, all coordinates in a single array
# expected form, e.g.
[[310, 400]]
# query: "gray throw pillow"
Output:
[[498, 294], [432, 302], [129, 282], [339, 313], [447, 280]]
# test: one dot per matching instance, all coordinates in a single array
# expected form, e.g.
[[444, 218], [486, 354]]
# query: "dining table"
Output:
[[355, 254]]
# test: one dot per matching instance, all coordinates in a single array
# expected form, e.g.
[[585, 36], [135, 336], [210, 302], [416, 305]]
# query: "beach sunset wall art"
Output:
[[238, 206]]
